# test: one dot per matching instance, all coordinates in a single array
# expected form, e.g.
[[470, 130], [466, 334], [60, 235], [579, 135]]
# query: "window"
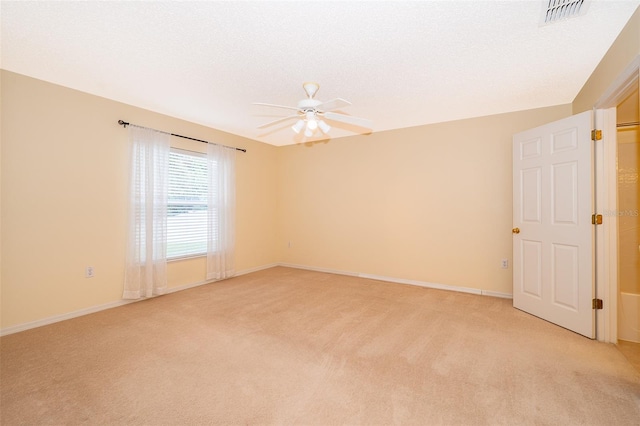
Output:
[[187, 204]]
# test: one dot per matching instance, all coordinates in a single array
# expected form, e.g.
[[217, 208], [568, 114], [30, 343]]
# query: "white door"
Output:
[[552, 207]]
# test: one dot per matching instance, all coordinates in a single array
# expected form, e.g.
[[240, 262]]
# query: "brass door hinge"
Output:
[[596, 219], [596, 135], [596, 303]]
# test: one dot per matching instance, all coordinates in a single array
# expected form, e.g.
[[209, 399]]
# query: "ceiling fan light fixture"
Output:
[[312, 123], [324, 127], [298, 126], [308, 132]]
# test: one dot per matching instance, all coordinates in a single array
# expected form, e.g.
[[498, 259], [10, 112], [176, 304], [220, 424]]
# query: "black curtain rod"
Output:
[[125, 124]]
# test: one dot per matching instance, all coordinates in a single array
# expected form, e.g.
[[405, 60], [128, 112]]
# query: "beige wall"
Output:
[[623, 51], [430, 203], [63, 177]]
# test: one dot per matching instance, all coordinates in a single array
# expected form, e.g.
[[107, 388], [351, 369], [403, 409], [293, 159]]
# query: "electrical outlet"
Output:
[[89, 272], [504, 264]]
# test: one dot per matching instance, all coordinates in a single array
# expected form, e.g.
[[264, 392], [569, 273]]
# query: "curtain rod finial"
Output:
[[123, 123]]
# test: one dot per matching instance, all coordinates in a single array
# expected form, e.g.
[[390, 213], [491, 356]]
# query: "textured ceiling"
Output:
[[401, 64]]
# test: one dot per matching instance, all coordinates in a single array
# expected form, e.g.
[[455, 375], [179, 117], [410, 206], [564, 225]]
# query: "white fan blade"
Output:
[[277, 106], [356, 121], [333, 104], [277, 121]]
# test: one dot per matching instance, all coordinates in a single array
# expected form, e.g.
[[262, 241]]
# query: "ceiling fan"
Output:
[[311, 113]]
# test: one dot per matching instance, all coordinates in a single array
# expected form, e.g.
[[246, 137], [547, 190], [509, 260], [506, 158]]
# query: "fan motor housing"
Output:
[[308, 104]]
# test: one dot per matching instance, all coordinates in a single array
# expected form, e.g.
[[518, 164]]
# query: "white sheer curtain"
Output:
[[221, 212], [146, 263]]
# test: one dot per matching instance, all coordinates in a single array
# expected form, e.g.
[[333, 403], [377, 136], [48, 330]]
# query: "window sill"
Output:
[[188, 257]]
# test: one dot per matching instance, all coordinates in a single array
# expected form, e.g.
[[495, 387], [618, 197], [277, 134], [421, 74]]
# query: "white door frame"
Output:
[[606, 154]]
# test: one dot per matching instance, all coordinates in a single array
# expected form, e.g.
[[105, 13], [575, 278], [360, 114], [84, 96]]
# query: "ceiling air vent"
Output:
[[558, 10]]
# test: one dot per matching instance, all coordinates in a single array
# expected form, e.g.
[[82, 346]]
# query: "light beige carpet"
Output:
[[286, 346]]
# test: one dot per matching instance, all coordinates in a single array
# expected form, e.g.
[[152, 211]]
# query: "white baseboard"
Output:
[[404, 281], [62, 317], [423, 284], [237, 274], [259, 268], [312, 268], [93, 309], [438, 286], [499, 294]]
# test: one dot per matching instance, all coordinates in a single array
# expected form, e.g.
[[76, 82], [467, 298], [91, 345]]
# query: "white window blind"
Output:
[[187, 204]]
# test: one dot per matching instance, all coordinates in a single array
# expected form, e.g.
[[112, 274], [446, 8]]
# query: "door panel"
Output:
[[564, 179], [531, 201], [565, 282], [532, 264], [552, 196]]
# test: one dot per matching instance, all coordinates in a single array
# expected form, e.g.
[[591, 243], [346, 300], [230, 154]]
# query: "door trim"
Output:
[[606, 180]]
